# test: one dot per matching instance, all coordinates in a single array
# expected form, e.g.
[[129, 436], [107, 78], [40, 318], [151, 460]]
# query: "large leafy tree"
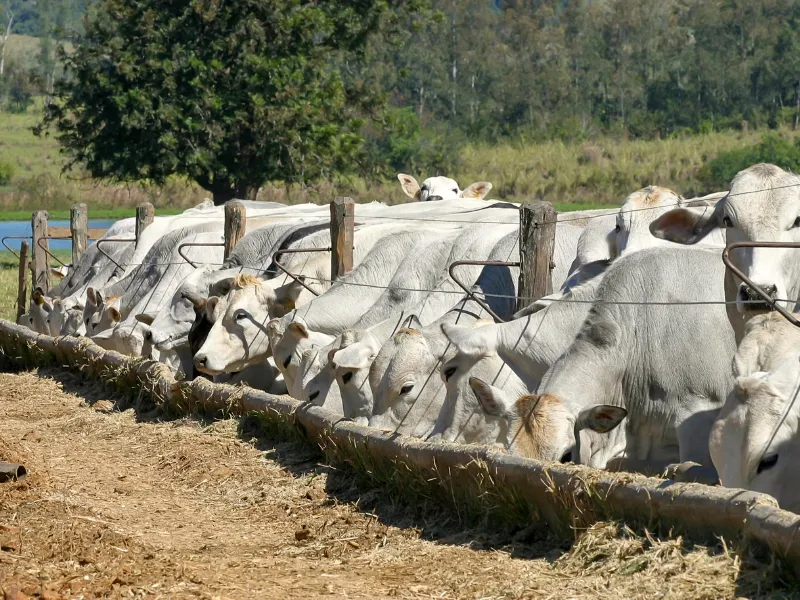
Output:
[[228, 94]]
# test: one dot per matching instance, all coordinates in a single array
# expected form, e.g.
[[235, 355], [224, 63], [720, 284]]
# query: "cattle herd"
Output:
[[650, 353]]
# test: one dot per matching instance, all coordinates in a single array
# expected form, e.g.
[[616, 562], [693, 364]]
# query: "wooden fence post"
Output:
[[343, 212], [235, 225], [79, 230], [537, 240], [41, 262], [22, 292], [145, 213]]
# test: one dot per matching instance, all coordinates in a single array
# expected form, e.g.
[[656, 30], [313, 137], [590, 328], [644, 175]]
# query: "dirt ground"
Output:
[[123, 505]]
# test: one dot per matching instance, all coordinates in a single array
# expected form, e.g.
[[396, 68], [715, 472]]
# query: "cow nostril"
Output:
[[449, 372], [771, 291], [434, 198], [148, 336], [200, 360]]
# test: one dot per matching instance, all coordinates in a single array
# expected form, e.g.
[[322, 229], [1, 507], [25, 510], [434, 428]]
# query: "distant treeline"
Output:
[[40, 17], [491, 69]]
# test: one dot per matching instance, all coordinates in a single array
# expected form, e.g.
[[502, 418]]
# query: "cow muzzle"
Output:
[[752, 301]]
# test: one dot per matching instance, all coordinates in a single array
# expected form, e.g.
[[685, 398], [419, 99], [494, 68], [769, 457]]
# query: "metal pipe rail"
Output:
[[13, 237], [469, 292], [99, 244], [772, 302], [296, 251], [50, 254], [207, 244]]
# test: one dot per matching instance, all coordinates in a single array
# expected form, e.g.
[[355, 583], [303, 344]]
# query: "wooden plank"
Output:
[[342, 236], [235, 225], [66, 233], [537, 241], [24, 265], [41, 261], [145, 214], [79, 230]]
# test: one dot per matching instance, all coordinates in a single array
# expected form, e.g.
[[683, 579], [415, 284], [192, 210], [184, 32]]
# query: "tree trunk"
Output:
[[5, 43], [224, 192]]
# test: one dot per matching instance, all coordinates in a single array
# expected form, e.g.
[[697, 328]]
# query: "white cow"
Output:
[[754, 442], [512, 357], [441, 188], [634, 354], [763, 205]]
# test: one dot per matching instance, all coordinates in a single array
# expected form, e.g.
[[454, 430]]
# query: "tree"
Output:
[[228, 94]]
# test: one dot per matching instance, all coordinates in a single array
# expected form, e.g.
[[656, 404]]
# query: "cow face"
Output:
[[238, 336], [406, 388], [637, 212], [351, 364], [441, 188], [288, 341], [754, 442], [763, 205]]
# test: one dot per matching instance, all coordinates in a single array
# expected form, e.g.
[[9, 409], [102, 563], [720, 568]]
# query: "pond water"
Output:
[[24, 228]]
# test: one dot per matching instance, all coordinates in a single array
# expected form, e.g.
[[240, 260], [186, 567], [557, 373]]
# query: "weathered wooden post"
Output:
[[145, 213], [343, 212], [40, 246], [22, 291], [235, 225], [79, 230], [537, 240]]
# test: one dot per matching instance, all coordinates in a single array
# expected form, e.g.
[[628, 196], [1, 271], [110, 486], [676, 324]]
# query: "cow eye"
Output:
[[449, 372], [455, 191], [566, 457], [240, 315], [347, 377], [407, 388], [728, 222], [767, 463], [313, 396], [287, 361], [618, 227], [796, 223]]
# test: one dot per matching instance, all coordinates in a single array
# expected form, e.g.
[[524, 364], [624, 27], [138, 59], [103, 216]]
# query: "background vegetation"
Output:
[[575, 102]]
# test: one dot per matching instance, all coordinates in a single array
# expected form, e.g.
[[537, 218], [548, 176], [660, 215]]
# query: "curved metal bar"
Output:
[[296, 251], [14, 237], [50, 254], [469, 292], [774, 303], [186, 258], [99, 244]]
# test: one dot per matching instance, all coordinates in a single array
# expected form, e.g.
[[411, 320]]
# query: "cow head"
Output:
[[238, 336], [763, 205], [754, 442], [441, 188]]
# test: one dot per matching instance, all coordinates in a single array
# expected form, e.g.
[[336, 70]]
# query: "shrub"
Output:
[[718, 172], [6, 172]]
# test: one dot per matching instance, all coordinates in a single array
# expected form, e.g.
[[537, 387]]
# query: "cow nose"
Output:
[[433, 198], [200, 360], [753, 300]]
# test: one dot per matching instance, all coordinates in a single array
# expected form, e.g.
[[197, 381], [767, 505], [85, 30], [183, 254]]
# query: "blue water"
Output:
[[24, 228]]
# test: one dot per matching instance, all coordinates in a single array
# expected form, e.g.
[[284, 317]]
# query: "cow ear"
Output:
[[467, 340], [409, 185], [477, 190], [211, 307], [90, 297], [601, 419], [57, 273], [38, 296], [98, 297], [355, 356], [146, 318], [493, 401], [114, 314], [297, 330], [687, 225]]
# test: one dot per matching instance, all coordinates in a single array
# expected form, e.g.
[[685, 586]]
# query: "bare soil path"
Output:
[[119, 506]]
